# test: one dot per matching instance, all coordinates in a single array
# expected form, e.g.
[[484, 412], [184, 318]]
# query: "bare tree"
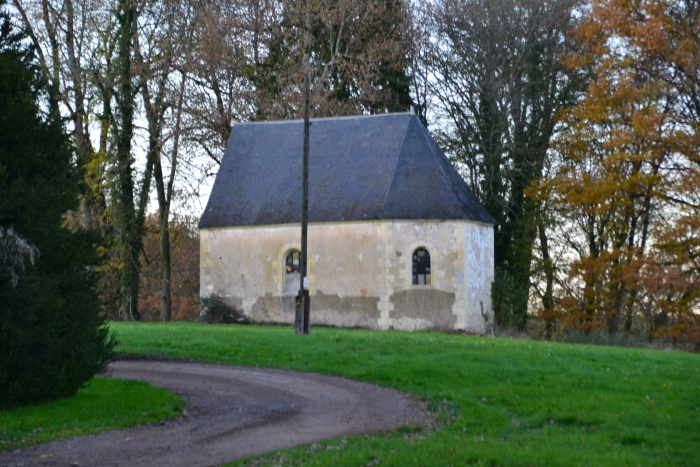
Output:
[[230, 41], [358, 59], [247, 63], [71, 39], [497, 81], [162, 50]]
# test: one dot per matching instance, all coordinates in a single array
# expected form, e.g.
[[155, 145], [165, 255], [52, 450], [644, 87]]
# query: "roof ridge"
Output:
[[339, 117]]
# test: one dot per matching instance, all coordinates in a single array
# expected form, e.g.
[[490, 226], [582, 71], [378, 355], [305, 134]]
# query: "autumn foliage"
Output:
[[625, 189], [184, 243]]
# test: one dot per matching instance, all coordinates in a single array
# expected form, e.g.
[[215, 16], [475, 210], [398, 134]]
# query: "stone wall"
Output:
[[360, 273]]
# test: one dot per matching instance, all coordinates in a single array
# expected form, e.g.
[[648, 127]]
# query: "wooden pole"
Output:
[[301, 318], [301, 315]]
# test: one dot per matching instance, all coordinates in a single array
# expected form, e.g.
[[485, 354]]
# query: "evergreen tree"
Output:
[[52, 339]]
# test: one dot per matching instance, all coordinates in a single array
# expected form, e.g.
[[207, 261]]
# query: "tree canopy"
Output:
[[626, 178]]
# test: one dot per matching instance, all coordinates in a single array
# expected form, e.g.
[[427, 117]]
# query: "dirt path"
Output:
[[232, 412]]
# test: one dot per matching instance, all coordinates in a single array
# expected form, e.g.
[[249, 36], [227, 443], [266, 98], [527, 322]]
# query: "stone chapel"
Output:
[[396, 238]]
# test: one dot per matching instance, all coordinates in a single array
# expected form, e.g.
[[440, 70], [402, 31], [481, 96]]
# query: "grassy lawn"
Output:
[[517, 402], [102, 405]]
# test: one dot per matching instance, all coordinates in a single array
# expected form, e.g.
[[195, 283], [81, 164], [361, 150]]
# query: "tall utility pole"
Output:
[[301, 315], [302, 301]]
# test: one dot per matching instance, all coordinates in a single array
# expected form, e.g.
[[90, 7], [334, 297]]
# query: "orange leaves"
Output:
[[626, 184]]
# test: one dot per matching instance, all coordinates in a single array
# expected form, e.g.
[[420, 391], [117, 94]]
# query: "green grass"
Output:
[[518, 402], [103, 404]]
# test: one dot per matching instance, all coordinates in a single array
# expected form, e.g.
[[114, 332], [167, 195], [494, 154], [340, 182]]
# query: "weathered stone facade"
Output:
[[360, 272]]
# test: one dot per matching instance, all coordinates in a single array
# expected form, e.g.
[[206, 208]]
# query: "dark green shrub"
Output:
[[508, 300], [216, 311], [52, 339]]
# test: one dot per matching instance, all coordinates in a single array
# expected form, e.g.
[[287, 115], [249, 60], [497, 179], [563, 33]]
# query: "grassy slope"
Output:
[[102, 405], [519, 402]]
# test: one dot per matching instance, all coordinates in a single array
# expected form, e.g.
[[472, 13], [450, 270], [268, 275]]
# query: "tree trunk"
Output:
[[164, 200], [165, 293], [548, 297], [124, 185], [163, 215]]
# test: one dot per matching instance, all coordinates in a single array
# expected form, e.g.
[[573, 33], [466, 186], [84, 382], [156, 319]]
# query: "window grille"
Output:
[[291, 270], [421, 267], [292, 262]]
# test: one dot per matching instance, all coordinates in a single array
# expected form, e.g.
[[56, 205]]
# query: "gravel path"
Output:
[[232, 412]]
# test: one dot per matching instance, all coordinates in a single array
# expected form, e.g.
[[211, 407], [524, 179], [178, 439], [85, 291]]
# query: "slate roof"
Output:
[[360, 168]]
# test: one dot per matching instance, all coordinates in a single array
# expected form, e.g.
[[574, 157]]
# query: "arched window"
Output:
[[421, 267], [291, 271]]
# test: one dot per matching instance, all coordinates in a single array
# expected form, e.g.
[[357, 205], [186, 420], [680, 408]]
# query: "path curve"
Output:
[[232, 412]]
